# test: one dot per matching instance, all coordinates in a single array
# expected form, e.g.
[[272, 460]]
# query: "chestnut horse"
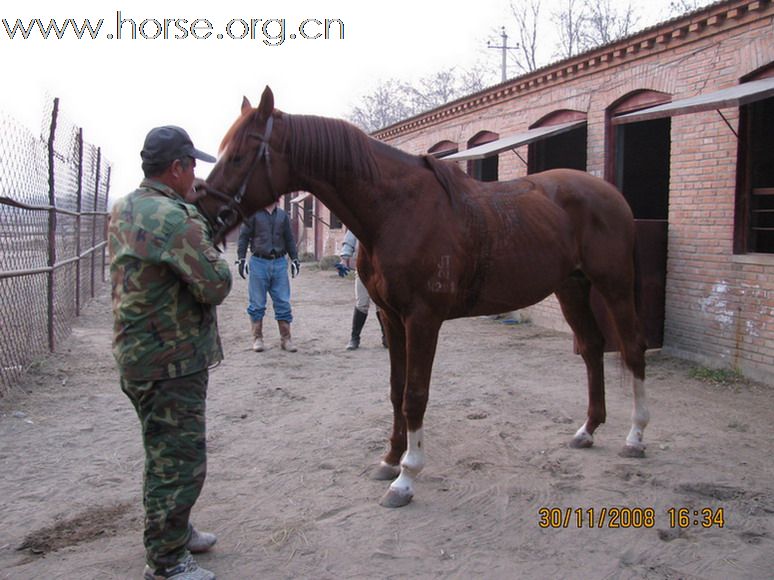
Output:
[[437, 244]]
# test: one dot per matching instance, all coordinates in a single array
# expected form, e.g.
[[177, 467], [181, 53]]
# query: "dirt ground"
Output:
[[292, 438]]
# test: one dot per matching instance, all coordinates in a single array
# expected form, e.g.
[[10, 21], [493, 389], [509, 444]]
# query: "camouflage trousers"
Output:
[[171, 414]]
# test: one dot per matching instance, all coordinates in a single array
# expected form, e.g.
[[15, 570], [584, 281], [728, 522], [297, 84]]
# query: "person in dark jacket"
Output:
[[267, 233]]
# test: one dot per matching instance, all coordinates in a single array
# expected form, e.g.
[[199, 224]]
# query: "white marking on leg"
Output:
[[582, 435], [411, 464], [640, 416]]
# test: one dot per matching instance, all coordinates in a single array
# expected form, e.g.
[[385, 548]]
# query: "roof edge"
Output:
[[680, 30]]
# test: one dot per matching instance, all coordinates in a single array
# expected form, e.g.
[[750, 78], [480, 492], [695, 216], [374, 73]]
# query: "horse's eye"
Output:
[[236, 159]]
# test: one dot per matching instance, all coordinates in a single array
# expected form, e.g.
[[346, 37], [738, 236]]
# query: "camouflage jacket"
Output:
[[167, 278]]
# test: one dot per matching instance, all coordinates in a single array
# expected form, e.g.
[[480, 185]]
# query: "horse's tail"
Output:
[[638, 290], [637, 280]]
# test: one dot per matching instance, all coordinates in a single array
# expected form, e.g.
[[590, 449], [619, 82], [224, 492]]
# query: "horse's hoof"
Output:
[[581, 442], [395, 499], [632, 451], [386, 472]]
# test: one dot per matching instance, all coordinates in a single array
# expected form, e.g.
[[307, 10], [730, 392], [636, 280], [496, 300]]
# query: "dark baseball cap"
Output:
[[167, 143]]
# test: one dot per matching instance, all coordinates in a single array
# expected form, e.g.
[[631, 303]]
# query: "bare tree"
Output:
[[383, 107], [394, 100], [605, 23], [579, 25], [472, 80], [444, 86], [527, 16], [433, 90], [677, 7], [570, 21]]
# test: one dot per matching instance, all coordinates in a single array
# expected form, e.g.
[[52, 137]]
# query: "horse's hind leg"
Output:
[[573, 297], [632, 345]]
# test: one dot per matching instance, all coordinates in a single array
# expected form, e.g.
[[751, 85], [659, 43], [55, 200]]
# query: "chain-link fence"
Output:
[[53, 223]]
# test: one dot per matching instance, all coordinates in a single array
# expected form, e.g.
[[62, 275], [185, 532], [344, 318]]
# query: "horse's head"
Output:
[[251, 171]]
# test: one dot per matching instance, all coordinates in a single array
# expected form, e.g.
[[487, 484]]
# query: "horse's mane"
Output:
[[330, 149], [449, 176], [236, 128], [327, 147]]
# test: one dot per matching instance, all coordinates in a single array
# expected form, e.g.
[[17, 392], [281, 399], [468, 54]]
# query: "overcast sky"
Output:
[[117, 89]]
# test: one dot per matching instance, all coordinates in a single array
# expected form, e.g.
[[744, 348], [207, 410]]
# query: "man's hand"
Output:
[[342, 269], [295, 268], [243, 267], [198, 191]]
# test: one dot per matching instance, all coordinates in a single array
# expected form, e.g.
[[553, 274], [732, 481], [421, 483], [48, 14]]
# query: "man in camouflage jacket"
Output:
[[167, 278]]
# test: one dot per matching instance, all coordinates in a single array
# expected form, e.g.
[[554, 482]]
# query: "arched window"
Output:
[[565, 149], [443, 148], [638, 155], [483, 169], [637, 162]]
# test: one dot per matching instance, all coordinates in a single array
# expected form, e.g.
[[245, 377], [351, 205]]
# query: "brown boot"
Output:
[[258, 335], [285, 342]]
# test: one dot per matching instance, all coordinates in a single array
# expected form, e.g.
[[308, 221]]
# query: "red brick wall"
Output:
[[719, 306], [319, 240]]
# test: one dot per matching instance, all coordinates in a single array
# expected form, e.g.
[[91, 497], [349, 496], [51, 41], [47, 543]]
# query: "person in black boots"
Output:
[[362, 300]]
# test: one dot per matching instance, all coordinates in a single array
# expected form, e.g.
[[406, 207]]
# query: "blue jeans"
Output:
[[269, 276]]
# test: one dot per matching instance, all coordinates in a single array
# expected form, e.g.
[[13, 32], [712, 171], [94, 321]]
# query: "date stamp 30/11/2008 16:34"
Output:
[[629, 517]]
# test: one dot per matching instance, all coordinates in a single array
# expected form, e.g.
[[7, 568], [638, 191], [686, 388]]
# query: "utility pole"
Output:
[[505, 48]]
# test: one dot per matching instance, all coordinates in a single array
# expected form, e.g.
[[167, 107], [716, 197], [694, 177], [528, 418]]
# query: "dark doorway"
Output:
[[563, 150], [639, 157], [642, 174], [486, 169], [642, 166]]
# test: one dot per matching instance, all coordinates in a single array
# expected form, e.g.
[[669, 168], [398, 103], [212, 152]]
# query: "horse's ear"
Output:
[[246, 106], [266, 108]]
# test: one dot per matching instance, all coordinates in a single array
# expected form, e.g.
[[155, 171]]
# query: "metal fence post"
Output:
[[78, 223], [106, 221], [94, 229], [35, 281], [51, 224]]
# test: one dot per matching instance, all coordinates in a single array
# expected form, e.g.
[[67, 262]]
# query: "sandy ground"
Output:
[[292, 438]]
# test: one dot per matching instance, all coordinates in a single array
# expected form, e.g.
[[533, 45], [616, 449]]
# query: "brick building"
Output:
[[681, 118], [317, 230]]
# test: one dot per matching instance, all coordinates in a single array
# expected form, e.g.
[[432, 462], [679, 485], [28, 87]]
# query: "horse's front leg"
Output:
[[395, 332], [421, 340]]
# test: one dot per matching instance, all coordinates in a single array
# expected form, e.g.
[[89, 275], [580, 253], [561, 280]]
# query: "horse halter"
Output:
[[227, 216]]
